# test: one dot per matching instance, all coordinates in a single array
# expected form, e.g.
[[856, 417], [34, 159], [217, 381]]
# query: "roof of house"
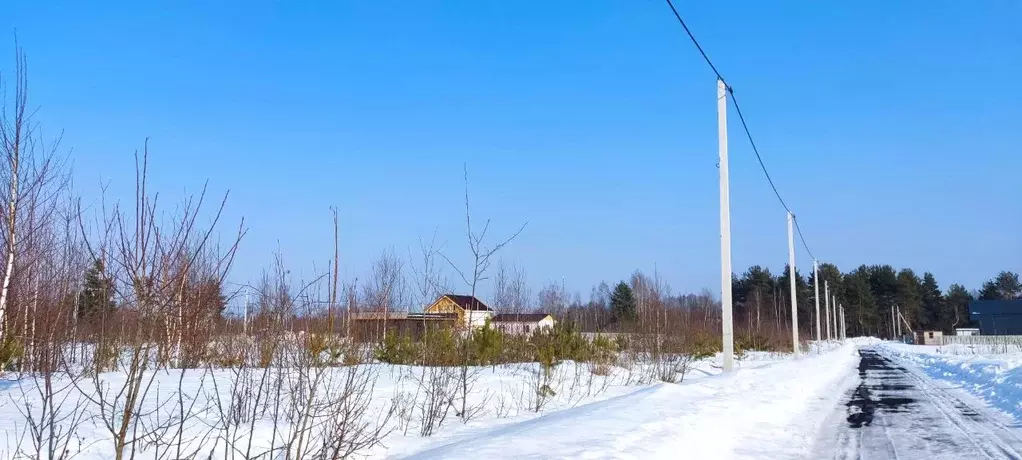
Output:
[[996, 307], [520, 317], [400, 315], [433, 316], [468, 302]]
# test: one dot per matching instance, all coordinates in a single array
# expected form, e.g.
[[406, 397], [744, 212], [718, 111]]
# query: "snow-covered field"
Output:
[[771, 410], [771, 407], [995, 378]]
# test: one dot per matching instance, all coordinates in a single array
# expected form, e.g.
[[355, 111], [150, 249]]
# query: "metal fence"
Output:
[[993, 343]]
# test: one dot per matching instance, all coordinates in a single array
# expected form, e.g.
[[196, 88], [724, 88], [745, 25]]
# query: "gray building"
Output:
[[997, 317]]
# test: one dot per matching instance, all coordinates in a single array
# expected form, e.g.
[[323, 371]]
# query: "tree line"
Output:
[[867, 294], [761, 301]]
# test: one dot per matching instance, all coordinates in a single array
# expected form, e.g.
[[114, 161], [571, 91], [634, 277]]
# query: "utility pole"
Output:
[[725, 229], [840, 313], [791, 278], [816, 283], [834, 316], [899, 322], [826, 297], [894, 321], [843, 331]]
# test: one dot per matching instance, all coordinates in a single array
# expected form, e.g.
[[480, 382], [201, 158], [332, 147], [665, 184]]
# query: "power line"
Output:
[[803, 238], [741, 117], [696, 42], [754, 149]]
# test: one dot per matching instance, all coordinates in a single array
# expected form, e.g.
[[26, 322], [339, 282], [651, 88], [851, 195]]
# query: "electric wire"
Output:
[[745, 125]]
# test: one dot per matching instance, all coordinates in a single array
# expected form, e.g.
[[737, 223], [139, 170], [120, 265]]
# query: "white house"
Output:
[[522, 323], [967, 331]]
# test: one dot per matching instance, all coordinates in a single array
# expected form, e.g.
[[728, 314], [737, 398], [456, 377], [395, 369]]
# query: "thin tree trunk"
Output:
[[759, 300], [12, 209]]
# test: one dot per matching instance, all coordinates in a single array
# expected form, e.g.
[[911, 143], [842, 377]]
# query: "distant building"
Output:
[[373, 326], [458, 312], [522, 323], [470, 311], [966, 331], [929, 338], [997, 317]]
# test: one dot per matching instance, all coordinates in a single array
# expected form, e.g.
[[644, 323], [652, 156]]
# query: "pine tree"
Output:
[[622, 303], [908, 297], [861, 311], [97, 295], [883, 282], [753, 296], [957, 306], [933, 305], [1005, 287]]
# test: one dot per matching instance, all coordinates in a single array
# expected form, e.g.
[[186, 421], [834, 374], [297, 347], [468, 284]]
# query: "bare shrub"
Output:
[[52, 414]]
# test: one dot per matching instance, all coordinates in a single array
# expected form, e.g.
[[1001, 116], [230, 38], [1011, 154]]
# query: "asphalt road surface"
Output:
[[896, 413]]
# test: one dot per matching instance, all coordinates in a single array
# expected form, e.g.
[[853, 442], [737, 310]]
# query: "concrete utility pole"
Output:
[[816, 283], [791, 278], [725, 230], [894, 321], [834, 316], [840, 313], [844, 332], [899, 322], [826, 297], [837, 315]]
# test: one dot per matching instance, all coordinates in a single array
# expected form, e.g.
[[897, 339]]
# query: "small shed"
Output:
[[966, 331], [929, 338]]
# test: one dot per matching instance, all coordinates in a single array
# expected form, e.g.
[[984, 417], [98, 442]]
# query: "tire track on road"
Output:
[[895, 413]]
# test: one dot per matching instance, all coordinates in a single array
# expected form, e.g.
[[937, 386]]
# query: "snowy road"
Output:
[[898, 413]]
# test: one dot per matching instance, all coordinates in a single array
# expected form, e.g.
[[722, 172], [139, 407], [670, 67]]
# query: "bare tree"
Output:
[[33, 183], [386, 290], [151, 265], [481, 255], [336, 270], [552, 299], [428, 278], [511, 291], [15, 139]]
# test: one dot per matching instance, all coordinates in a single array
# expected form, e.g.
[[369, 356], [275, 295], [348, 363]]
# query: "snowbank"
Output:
[[771, 407], [994, 378], [770, 411]]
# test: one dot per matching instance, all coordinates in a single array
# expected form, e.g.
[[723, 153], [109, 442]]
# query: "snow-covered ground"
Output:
[[995, 378], [771, 407], [772, 410]]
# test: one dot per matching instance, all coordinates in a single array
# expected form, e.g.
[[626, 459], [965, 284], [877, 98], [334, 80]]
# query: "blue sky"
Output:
[[891, 128]]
